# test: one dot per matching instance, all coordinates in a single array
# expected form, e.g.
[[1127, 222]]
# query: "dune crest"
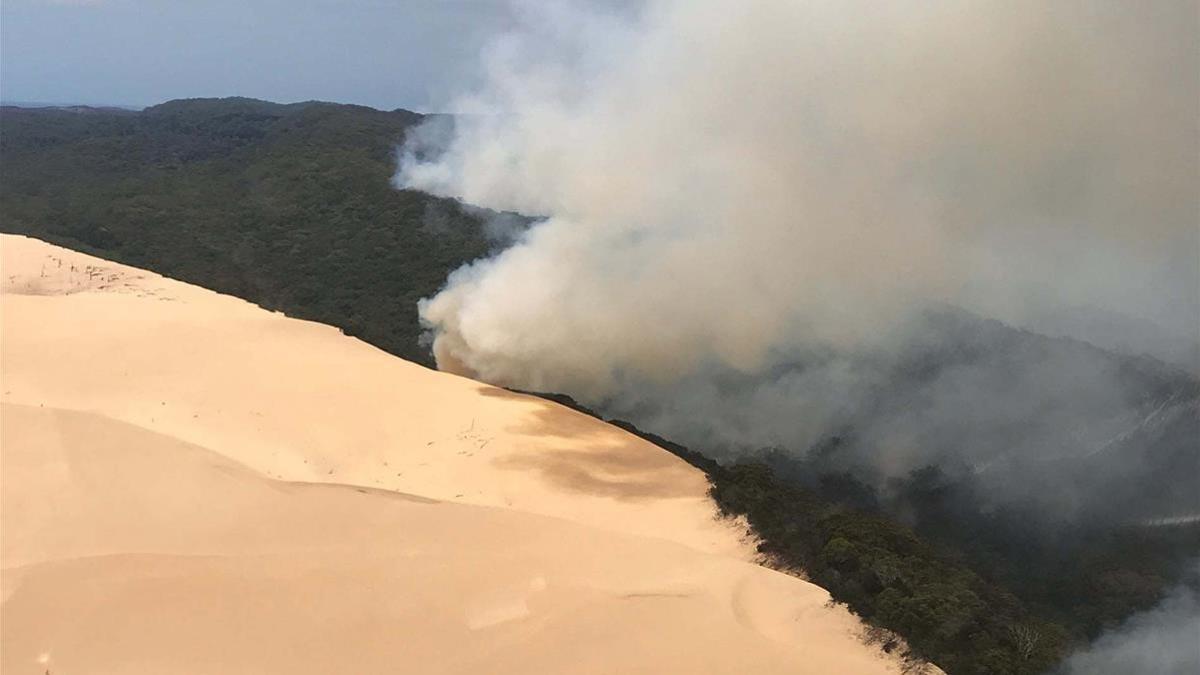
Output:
[[247, 492]]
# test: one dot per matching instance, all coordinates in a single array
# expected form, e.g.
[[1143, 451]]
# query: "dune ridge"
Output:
[[190, 483]]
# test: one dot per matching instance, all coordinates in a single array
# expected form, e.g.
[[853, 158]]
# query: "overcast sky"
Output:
[[413, 54]]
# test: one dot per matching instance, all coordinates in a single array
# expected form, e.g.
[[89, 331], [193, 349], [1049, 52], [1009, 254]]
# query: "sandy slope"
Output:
[[193, 484]]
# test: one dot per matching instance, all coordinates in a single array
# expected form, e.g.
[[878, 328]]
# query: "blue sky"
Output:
[[413, 54]]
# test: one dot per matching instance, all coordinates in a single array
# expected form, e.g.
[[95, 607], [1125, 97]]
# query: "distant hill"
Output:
[[288, 205], [73, 107]]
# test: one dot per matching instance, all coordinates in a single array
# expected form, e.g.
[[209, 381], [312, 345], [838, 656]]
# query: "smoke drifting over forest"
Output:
[[756, 226]]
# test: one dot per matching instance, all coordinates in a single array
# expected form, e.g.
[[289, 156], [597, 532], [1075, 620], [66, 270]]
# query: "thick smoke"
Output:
[[756, 216]]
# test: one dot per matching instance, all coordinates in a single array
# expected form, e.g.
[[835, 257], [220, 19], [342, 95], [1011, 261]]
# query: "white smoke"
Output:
[[1161, 641], [722, 183]]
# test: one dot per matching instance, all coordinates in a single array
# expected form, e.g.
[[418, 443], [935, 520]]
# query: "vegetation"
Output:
[[290, 206], [1082, 576], [973, 590], [1087, 576], [890, 577], [883, 571]]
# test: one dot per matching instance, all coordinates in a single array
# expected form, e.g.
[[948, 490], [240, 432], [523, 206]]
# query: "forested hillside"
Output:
[[971, 587], [290, 206]]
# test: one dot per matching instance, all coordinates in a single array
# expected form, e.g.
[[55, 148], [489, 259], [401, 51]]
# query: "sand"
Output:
[[192, 484]]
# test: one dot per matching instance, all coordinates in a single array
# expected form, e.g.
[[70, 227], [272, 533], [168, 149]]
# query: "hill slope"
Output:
[[194, 484]]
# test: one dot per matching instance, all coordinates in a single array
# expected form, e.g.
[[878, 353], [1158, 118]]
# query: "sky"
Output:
[[414, 54]]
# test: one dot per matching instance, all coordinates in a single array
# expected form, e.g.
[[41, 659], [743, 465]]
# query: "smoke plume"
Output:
[[753, 217]]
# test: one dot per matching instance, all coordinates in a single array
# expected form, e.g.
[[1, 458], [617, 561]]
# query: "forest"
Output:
[[289, 206]]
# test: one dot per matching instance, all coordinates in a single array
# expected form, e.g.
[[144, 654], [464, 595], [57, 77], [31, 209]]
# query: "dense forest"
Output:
[[293, 207], [972, 588], [290, 206]]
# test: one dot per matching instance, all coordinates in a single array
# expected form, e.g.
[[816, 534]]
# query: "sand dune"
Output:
[[192, 484]]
